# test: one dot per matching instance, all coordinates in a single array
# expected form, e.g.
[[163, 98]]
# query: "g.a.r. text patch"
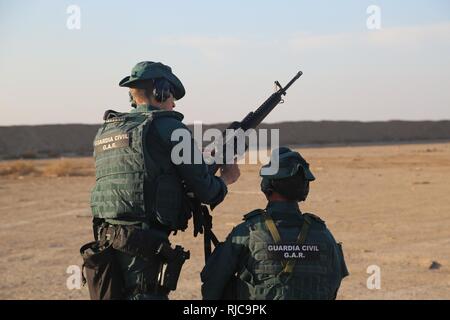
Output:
[[307, 252], [111, 142]]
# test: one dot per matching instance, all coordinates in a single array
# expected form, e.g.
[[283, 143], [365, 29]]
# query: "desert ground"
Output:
[[388, 205]]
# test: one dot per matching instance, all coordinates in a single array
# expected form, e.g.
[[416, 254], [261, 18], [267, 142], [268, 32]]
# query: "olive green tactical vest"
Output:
[[133, 183], [263, 277]]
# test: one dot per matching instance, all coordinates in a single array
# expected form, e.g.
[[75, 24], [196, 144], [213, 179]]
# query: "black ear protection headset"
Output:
[[162, 89]]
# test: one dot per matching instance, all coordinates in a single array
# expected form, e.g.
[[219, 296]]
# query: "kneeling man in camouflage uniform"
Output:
[[277, 252]]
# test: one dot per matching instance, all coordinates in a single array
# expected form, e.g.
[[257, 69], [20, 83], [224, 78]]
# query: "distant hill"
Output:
[[42, 141]]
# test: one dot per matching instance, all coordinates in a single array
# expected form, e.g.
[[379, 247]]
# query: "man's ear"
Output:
[[133, 103]]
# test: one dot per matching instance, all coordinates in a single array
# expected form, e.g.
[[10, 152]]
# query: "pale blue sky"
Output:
[[227, 53]]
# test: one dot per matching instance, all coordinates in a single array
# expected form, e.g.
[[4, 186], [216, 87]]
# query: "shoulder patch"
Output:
[[315, 218], [253, 213], [113, 116]]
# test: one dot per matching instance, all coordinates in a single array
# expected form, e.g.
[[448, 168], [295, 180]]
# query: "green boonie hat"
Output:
[[147, 70], [289, 164]]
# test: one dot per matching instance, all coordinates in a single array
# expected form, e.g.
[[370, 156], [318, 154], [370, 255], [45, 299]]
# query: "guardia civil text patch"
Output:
[[111, 142], [307, 252]]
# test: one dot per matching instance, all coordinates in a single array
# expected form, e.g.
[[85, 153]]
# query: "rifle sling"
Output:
[[288, 265], [208, 235]]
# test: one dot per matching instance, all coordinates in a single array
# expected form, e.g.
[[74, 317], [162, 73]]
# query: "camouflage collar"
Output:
[[144, 108]]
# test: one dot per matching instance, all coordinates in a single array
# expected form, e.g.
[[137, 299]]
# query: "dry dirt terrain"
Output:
[[389, 205]]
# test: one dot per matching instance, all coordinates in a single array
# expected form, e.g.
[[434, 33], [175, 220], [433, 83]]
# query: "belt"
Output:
[[133, 240]]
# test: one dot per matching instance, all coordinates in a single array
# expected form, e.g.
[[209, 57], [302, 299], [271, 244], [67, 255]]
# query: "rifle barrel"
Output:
[[298, 75]]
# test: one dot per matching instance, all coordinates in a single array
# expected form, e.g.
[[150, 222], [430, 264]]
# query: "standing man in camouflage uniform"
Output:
[[139, 197], [278, 252]]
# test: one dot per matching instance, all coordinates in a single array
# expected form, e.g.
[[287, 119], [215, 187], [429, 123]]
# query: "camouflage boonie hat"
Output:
[[289, 164], [147, 70]]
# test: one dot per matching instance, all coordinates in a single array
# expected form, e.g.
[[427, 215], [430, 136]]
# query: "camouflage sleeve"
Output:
[[193, 170], [339, 267], [224, 263]]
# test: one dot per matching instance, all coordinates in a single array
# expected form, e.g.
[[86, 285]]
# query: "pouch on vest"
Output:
[[170, 208], [103, 274], [240, 286], [270, 289]]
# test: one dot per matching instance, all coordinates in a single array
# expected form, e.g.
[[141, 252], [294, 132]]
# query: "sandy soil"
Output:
[[389, 205]]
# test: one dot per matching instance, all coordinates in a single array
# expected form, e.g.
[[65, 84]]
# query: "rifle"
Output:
[[202, 217]]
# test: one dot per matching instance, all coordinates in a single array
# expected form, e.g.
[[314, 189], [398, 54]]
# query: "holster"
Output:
[[173, 261], [101, 271]]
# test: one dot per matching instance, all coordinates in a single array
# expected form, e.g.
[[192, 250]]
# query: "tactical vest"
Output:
[[133, 183], [265, 276]]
